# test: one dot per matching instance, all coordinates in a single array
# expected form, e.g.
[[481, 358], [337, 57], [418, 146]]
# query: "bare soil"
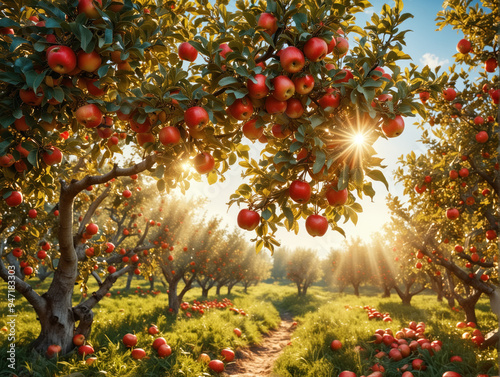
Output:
[[258, 360]]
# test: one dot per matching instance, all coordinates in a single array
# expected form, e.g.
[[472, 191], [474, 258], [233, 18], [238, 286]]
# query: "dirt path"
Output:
[[258, 361]]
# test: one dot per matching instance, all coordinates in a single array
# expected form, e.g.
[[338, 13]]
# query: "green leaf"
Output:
[[300, 19], [320, 161], [160, 185], [377, 175], [85, 38], [33, 157], [228, 81], [266, 214]]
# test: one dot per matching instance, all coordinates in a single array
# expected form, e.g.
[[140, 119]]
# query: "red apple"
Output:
[[393, 127], [53, 350], [227, 355], [216, 365], [28, 270], [337, 198], [424, 96], [335, 345], [292, 59], [331, 100], [13, 199], [300, 191], [138, 353], [490, 65], [92, 229], [204, 163], [187, 52], [464, 46], [7, 160], [274, 106], [241, 109], [159, 342], [248, 219], [269, 22], [347, 373], [145, 137], [32, 213], [251, 131], [51, 155], [89, 62], [315, 49], [164, 350], [491, 234], [342, 46], [196, 117], [61, 59], [452, 213], [331, 44], [88, 7], [29, 97], [169, 135], [225, 50], [294, 108], [449, 94], [283, 88], [78, 339], [85, 350], [482, 137], [304, 84], [89, 115], [257, 89], [280, 131], [129, 340], [111, 269], [347, 75], [94, 90], [316, 225]]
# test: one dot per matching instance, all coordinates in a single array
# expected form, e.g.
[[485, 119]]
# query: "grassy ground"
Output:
[[321, 315]]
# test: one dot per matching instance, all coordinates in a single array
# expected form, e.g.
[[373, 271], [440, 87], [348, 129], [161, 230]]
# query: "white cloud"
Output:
[[432, 60]]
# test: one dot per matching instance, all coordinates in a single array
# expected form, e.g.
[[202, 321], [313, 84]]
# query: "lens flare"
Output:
[[359, 139]]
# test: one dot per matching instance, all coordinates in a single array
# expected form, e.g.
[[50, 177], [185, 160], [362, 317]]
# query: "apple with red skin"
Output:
[[347, 75], [418, 364], [169, 135], [187, 52], [393, 127], [337, 197], [227, 355], [88, 7], [143, 127], [129, 340], [138, 353], [259, 88], [93, 89], [21, 125], [145, 137], [491, 234], [32, 213], [304, 84], [159, 342], [248, 219], [92, 229], [88, 62], [164, 350], [269, 22], [53, 350], [280, 131], [495, 96], [111, 269], [196, 117], [316, 225], [7, 160], [204, 358], [274, 106], [315, 49], [85, 350], [341, 47], [51, 155], [204, 163], [331, 100], [452, 214], [479, 120], [490, 65], [89, 115], [424, 96], [216, 365], [331, 44], [464, 46], [464, 172], [237, 332], [6, 31], [395, 354], [300, 191], [449, 94], [29, 97], [294, 108], [14, 198], [283, 88], [482, 137], [335, 345], [17, 252], [251, 131], [28, 270], [451, 374], [347, 373], [241, 109], [61, 59], [292, 59], [225, 50], [78, 339], [153, 330]]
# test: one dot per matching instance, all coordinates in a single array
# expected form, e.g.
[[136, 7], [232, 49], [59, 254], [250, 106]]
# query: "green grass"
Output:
[[321, 315]]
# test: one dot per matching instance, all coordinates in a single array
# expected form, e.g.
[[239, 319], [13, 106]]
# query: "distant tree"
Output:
[[280, 260], [303, 268], [353, 267], [255, 268]]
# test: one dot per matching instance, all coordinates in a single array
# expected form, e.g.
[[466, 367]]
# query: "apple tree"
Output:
[[303, 268], [255, 269], [182, 88]]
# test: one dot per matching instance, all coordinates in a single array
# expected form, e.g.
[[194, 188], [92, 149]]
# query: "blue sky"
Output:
[[425, 46]]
